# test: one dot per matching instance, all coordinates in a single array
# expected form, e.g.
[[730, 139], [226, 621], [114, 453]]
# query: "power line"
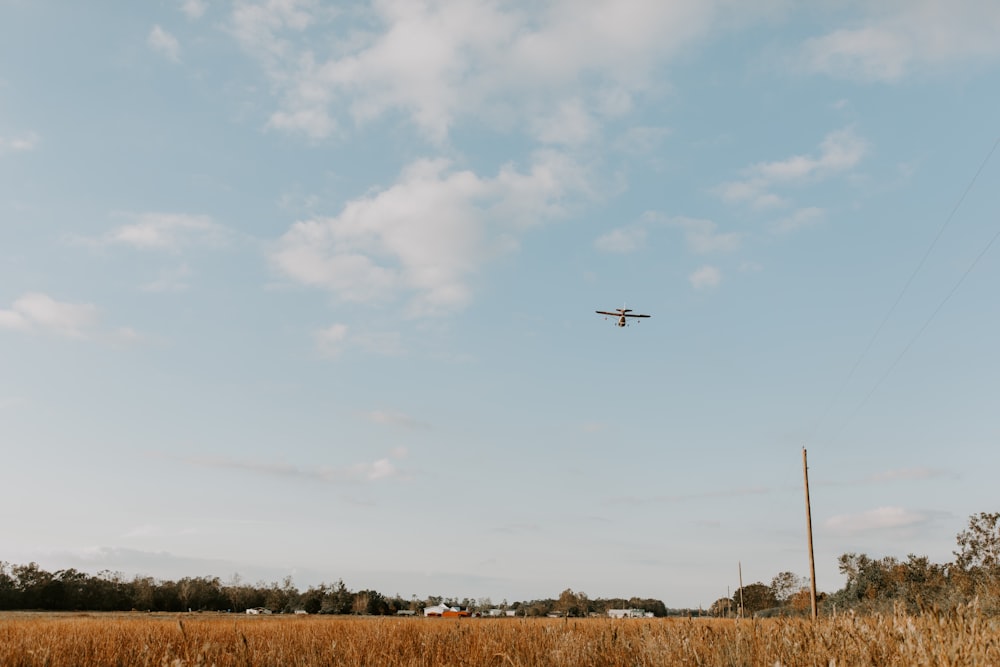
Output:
[[899, 298], [926, 323]]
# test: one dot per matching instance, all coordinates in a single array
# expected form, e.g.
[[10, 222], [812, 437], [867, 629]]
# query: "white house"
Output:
[[444, 610], [258, 610], [629, 613]]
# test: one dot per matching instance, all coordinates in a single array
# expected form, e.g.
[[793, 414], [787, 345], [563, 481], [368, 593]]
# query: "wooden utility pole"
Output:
[[739, 564], [809, 531]]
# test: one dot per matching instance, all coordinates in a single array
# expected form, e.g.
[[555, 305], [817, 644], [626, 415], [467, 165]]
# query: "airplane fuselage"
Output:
[[621, 314]]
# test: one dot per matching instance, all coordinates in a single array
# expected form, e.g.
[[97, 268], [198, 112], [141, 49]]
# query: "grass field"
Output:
[[181, 640]]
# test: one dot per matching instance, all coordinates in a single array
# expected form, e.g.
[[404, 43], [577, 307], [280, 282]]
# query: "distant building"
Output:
[[629, 613], [446, 611], [500, 612], [258, 610]]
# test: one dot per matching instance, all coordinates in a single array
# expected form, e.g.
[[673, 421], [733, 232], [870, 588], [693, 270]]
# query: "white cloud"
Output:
[[127, 335], [705, 277], [162, 42], [172, 280], [839, 152], [40, 313], [377, 470], [702, 236], [676, 498], [642, 139], [334, 340], [425, 235], [622, 240], [21, 144], [907, 474], [881, 518], [314, 122], [257, 24], [802, 218], [165, 231], [752, 191], [193, 9], [382, 343], [330, 341], [397, 419], [438, 62], [380, 469], [149, 530], [570, 123], [901, 37]]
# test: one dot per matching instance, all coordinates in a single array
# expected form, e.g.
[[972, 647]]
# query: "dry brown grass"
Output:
[[963, 638]]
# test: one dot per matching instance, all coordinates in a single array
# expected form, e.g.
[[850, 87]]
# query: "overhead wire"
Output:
[[926, 323], [899, 298]]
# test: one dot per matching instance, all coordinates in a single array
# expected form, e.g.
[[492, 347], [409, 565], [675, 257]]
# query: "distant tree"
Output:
[[866, 578], [396, 603], [979, 544], [312, 599], [569, 603], [197, 593], [338, 599], [79, 590], [168, 597], [371, 602], [283, 597], [143, 593], [241, 596], [537, 608], [723, 607], [884, 583], [31, 582], [784, 585], [977, 561], [108, 591], [657, 607], [755, 597], [801, 600], [583, 605], [8, 587]]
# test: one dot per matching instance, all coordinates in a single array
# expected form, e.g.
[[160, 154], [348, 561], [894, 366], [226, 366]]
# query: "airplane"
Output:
[[621, 314]]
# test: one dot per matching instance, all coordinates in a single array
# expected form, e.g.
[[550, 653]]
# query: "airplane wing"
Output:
[[604, 312], [630, 315]]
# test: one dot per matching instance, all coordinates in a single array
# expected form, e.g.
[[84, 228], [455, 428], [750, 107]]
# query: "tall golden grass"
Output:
[[959, 638]]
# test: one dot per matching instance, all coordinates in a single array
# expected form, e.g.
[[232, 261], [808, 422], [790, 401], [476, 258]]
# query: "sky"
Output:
[[300, 288]]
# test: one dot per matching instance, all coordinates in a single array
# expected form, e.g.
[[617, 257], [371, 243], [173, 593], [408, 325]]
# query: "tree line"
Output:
[[885, 584], [872, 585], [31, 587]]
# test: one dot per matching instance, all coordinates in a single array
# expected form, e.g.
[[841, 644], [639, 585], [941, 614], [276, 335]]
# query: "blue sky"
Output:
[[292, 287]]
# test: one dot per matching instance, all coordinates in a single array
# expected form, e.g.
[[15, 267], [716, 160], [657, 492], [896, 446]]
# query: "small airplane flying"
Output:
[[621, 314]]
